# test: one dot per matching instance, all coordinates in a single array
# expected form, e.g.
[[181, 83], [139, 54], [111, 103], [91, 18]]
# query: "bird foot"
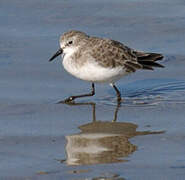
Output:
[[119, 99], [69, 99]]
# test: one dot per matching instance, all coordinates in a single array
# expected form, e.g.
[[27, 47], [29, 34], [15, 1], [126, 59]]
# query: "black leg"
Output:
[[117, 92], [71, 98], [116, 111]]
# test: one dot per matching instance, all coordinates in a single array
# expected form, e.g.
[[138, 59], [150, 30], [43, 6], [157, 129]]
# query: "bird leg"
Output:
[[71, 98], [117, 92]]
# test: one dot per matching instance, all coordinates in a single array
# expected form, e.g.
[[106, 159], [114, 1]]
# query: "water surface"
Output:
[[142, 139]]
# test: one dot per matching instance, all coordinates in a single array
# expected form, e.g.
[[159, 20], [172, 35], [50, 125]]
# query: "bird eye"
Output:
[[70, 42]]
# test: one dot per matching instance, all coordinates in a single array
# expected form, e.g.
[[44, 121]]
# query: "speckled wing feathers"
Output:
[[110, 53]]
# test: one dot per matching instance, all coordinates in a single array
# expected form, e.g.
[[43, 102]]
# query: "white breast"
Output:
[[91, 71], [69, 63]]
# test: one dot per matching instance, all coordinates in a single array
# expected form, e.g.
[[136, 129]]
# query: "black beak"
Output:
[[60, 51]]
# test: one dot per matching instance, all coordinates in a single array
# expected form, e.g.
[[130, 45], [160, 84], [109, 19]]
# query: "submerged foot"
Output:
[[69, 99], [119, 99]]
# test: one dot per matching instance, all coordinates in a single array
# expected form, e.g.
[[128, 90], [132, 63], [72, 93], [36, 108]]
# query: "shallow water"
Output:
[[141, 139]]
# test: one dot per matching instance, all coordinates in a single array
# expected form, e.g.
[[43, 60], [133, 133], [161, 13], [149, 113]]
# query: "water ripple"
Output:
[[149, 92]]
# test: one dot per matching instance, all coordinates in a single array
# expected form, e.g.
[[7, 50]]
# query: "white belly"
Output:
[[91, 71]]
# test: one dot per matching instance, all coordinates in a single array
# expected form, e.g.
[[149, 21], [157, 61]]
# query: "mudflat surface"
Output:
[[141, 139]]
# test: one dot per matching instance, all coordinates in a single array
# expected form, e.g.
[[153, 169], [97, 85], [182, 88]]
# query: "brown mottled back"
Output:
[[110, 53]]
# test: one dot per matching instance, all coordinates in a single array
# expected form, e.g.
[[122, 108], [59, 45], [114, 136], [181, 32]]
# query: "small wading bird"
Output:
[[99, 60]]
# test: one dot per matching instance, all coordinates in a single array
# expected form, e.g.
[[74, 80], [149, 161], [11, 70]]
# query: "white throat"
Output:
[[69, 62], [69, 50]]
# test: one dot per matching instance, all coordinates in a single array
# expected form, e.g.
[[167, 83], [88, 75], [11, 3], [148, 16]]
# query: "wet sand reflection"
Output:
[[102, 142]]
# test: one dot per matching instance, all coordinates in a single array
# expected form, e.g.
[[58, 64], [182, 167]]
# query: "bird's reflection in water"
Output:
[[102, 142]]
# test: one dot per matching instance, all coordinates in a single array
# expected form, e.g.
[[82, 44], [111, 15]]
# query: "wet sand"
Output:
[[94, 138]]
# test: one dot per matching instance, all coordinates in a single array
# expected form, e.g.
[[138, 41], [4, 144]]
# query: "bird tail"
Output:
[[148, 60]]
